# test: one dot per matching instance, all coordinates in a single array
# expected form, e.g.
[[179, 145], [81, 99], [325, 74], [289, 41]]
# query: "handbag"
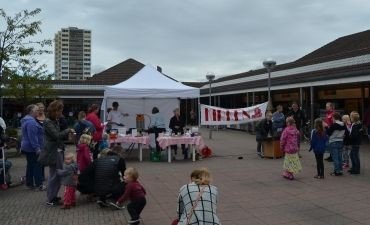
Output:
[[194, 206]]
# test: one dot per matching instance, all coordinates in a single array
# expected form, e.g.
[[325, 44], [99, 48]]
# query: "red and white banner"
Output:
[[211, 115]]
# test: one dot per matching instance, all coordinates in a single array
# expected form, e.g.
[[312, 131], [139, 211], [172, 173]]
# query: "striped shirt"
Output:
[[205, 211]]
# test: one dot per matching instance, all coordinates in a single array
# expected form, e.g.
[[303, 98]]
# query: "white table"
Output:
[[165, 142]]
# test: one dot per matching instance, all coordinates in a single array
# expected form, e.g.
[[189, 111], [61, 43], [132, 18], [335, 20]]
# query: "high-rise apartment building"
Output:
[[73, 54]]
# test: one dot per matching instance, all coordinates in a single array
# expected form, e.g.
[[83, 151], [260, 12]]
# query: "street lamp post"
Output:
[[210, 78], [269, 65]]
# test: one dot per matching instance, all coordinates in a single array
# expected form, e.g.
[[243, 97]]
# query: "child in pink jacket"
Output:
[[289, 144]]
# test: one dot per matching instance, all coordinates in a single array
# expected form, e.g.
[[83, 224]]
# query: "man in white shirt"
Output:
[[115, 117]]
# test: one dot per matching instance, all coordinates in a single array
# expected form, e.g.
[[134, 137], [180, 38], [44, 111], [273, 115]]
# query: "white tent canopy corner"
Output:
[[144, 90]]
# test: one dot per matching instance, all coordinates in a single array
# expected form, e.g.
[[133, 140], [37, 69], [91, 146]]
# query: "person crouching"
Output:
[[134, 192]]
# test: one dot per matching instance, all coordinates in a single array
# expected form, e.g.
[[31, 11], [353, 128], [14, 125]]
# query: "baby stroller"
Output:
[[5, 165], [4, 168]]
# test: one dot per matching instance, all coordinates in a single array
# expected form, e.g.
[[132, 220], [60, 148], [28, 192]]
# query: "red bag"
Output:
[[175, 222], [206, 152]]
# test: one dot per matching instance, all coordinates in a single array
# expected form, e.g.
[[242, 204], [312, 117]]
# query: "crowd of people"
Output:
[[340, 136], [98, 170]]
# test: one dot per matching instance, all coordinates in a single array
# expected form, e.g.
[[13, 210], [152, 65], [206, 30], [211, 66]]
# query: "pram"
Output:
[[5, 178]]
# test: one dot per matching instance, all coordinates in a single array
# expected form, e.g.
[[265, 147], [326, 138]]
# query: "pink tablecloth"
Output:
[[130, 139], [165, 141]]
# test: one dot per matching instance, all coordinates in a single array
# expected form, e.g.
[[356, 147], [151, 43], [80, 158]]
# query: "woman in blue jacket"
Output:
[[31, 145]]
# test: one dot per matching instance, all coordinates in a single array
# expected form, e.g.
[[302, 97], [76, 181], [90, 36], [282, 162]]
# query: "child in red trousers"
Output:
[[69, 179]]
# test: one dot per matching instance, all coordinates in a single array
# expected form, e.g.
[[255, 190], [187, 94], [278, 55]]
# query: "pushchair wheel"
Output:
[[4, 186]]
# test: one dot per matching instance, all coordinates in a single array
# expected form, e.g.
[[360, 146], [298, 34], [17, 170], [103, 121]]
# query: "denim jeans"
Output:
[[336, 149], [33, 171], [355, 158]]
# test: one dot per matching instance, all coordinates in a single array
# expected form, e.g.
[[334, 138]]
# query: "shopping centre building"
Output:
[[338, 72]]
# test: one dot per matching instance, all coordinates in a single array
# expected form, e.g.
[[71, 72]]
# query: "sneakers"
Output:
[[336, 174], [54, 202], [133, 221], [102, 204], [116, 205], [40, 188]]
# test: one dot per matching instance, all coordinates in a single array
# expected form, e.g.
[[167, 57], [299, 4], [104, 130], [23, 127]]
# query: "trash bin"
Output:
[[271, 148]]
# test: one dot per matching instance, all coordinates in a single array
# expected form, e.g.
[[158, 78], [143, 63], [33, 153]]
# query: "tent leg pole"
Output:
[[198, 112]]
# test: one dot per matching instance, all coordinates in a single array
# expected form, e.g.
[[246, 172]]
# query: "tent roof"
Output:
[[149, 83]]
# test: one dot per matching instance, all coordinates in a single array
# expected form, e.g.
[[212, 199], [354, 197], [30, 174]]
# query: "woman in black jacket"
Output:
[[263, 129], [355, 137], [52, 153]]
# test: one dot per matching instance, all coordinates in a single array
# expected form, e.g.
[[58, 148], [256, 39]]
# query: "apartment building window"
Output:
[[86, 54], [87, 32], [64, 39], [64, 53], [65, 35], [86, 64], [64, 44]]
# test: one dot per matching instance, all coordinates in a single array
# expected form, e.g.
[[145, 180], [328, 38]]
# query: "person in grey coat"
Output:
[[69, 179], [52, 153]]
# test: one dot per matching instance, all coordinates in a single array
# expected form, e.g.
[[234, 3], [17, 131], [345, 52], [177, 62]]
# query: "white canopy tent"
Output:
[[144, 90]]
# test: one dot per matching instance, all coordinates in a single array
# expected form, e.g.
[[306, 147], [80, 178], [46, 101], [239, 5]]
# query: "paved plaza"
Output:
[[251, 191]]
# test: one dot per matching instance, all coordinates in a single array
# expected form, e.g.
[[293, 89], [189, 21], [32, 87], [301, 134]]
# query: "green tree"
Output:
[[28, 81], [17, 46]]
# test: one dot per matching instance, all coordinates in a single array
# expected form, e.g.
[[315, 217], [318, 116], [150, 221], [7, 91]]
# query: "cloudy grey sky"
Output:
[[190, 38]]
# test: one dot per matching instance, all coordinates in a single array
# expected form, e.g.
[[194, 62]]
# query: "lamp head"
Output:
[[269, 64], [210, 77]]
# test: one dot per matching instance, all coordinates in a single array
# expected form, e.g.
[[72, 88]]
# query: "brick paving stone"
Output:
[[251, 191]]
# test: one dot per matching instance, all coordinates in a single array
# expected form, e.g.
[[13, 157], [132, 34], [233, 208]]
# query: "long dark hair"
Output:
[[319, 127], [53, 109]]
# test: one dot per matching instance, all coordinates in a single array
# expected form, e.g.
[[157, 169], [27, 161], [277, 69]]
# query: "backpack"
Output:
[[85, 128]]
